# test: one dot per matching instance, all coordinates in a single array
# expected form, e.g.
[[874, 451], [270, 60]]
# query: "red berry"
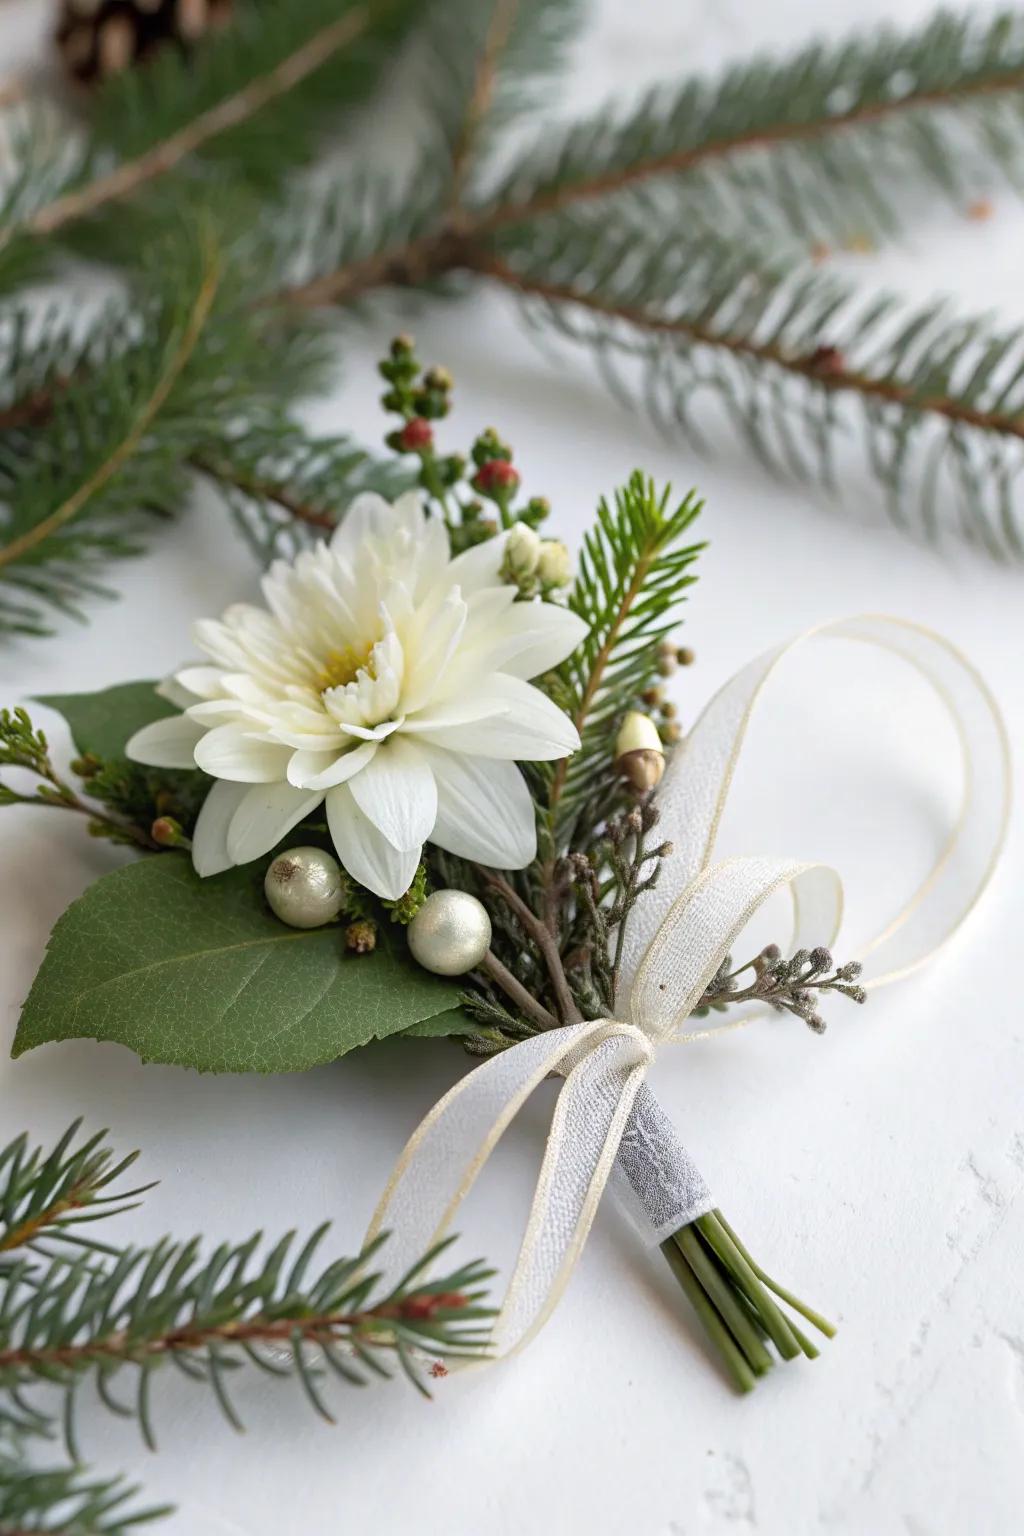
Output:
[[416, 436], [495, 476]]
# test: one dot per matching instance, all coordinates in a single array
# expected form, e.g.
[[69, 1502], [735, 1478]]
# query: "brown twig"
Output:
[[69, 801], [836, 377], [514, 989], [105, 472], [542, 936]]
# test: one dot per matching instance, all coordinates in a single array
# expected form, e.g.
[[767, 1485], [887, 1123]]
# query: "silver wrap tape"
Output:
[[655, 1180]]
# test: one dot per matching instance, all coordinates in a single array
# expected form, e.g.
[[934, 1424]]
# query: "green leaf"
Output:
[[453, 1022], [198, 973], [102, 722]]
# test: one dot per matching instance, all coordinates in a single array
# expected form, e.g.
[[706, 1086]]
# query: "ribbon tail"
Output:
[[605, 1063]]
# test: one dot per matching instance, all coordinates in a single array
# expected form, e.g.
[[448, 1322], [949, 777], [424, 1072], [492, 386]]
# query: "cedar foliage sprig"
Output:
[[76, 1309]]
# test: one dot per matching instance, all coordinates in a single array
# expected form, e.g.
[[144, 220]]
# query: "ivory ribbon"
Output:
[[678, 935]]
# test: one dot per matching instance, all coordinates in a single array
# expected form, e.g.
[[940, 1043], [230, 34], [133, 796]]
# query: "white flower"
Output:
[[384, 678]]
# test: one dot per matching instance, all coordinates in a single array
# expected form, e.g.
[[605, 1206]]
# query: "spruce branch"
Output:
[[194, 108], [67, 1501], [788, 355], [633, 575], [178, 357], [818, 144], [46, 1197]]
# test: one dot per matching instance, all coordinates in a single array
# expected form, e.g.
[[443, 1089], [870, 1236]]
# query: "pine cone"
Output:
[[99, 38]]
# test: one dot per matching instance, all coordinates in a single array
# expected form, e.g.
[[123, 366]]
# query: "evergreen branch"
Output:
[[633, 573], [173, 90], [22, 746], [807, 144], [44, 1195], [285, 486], [80, 1319], [66, 1501], [177, 360], [481, 96], [786, 353]]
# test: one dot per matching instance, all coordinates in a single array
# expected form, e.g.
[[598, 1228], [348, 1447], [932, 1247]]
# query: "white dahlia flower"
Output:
[[384, 678]]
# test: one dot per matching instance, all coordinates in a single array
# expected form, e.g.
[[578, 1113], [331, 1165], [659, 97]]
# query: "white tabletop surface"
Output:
[[879, 1170]]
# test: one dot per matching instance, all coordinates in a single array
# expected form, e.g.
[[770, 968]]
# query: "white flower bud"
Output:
[[553, 565], [522, 551], [639, 754]]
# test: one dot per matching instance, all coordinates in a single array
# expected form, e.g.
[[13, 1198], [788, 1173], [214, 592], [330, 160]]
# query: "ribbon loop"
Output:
[[677, 937]]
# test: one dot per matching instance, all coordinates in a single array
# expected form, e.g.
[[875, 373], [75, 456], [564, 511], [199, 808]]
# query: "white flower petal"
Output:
[[538, 638], [364, 851], [463, 709], [203, 682], [229, 753], [484, 810], [323, 770], [398, 794], [169, 743], [531, 729], [172, 690], [210, 838], [478, 566], [266, 813]]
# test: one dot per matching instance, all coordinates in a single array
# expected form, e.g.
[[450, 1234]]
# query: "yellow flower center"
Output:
[[344, 666]]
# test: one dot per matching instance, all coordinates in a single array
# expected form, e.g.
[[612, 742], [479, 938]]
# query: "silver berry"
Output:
[[451, 933], [305, 887]]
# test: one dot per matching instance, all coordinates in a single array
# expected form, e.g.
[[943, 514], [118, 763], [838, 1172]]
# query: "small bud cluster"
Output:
[[788, 986], [420, 398], [533, 564], [477, 492]]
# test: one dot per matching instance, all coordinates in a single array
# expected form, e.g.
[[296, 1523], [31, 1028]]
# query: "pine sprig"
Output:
[[210, 1314], [793, 357], [820, 145], [75, 1310], [236, 102], [66, 1501], [46, 1198], [633, 574]]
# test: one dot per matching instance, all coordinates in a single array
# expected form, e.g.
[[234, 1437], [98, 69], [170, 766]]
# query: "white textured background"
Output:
[[878, 1170]]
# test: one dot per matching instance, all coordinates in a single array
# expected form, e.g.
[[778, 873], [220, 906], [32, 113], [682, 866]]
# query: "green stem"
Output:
[[733, 1313], [814, 1318], [730, 1355], [779, 1330]]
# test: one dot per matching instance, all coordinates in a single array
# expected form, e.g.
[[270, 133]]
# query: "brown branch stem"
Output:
[[314, 1329], [498, 33], [517, 993], [809, 366], [539, 931]]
